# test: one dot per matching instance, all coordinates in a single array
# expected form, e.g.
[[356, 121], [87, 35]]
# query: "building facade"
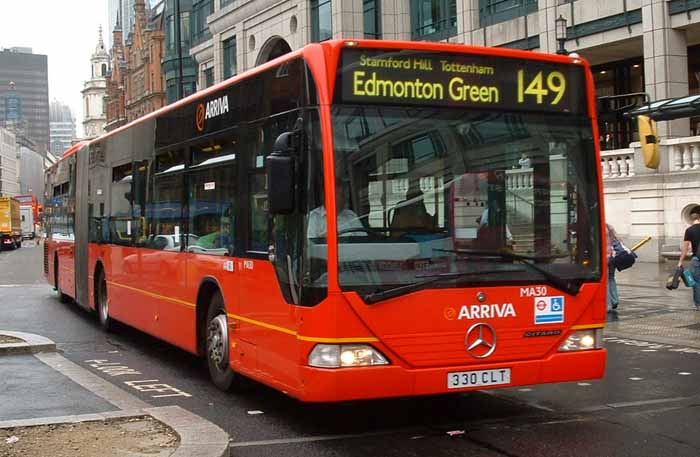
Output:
[[135, 83], [62, 126], [95, 91], [121, 11], [31, 169], [9, 164], [24, 94], [650, 46], [179, 68]]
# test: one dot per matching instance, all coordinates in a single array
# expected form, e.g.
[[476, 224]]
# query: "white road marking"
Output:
[[629, 404], [309, 439], [115, 369]]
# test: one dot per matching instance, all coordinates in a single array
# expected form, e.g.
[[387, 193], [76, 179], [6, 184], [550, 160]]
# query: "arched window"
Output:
[[103, 70]]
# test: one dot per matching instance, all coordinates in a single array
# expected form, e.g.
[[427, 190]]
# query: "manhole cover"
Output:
[[692, 326]]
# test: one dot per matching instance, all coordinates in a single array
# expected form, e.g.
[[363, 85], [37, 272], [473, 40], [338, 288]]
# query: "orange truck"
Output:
[[10, 223]]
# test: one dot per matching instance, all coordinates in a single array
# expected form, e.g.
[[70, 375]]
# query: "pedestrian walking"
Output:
[[691, 242], [613, 240]]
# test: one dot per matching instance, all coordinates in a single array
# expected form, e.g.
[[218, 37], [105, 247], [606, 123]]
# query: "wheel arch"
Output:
[[208, 287]]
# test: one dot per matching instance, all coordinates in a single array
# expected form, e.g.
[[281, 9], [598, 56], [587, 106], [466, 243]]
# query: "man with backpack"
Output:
[[691, 242]]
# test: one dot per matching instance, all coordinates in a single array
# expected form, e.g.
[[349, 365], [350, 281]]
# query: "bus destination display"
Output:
[[459, 80]]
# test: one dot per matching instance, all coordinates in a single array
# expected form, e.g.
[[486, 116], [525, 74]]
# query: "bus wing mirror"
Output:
[[280, 175], [649, 140]]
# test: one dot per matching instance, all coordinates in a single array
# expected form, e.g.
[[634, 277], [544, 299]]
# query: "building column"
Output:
[[348, 19], [218, 57], [396, 19], [665, 62], [467, 21], [548, 13]]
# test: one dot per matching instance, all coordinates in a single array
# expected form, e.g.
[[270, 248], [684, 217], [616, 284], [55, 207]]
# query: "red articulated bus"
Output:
[[352, 220]]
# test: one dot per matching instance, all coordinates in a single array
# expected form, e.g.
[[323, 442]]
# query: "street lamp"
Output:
[[560, 32]]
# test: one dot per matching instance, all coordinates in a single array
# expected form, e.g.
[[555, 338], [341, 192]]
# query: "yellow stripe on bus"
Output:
[[368, 339], [263, 324], [151, 294], [255, 322], [313, 339], [587, 326]]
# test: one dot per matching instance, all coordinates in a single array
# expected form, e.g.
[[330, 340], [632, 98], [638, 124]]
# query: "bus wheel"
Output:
[[63, 298], [217, 345], [102, 304]]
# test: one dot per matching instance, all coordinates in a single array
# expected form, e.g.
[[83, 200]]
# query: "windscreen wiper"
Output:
[[408, 288], [570, 286]]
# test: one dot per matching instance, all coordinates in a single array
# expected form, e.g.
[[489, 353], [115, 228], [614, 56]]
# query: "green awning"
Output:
[[669, 109]]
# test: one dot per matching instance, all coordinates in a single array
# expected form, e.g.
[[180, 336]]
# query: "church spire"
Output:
[[100, 44]]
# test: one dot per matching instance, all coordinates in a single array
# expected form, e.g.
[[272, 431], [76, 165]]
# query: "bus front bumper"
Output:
[[330, 385]]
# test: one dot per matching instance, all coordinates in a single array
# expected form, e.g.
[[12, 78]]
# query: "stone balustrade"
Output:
[[618, 163], [519, 178], [683, 153]]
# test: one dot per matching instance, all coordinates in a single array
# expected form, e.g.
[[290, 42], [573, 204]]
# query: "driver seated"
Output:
[[410, 214], [222, 236], [347, 219]]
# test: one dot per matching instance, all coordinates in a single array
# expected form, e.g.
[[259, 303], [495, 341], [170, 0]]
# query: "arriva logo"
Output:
[[486, 311], [214, 108]]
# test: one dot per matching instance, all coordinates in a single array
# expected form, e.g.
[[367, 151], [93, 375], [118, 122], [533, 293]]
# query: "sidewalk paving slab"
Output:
[[29, 344], [31, 389], [44, 388]]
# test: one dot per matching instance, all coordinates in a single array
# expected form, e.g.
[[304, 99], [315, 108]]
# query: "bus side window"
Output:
[[164, 206], [212, 196], [120, 228]]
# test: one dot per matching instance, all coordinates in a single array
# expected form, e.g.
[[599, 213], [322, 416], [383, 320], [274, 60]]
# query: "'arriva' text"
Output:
[[217, 107], [486, 311]]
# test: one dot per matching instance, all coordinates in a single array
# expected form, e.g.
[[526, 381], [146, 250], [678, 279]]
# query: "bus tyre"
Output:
[[102, 303], [217, 345], [63, 298]]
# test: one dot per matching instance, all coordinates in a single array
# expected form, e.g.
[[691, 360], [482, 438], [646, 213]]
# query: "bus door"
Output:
[[79, 180], [267, 335]]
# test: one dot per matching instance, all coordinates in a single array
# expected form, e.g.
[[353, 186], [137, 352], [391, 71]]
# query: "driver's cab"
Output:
[[391, 198]]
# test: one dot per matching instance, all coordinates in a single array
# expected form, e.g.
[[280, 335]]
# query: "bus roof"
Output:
[[334, 47]]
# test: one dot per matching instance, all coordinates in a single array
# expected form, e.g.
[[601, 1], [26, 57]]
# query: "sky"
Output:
[[64, 30]]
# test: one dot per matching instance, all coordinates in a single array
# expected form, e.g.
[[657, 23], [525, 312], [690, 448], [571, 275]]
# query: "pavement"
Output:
[[41, 387], [650, 312]]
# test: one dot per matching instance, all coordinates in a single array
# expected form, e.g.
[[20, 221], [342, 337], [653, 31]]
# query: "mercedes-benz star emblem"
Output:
[[481, 340]]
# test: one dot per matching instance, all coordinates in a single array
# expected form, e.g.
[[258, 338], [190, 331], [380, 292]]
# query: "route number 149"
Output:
[[540, 87]]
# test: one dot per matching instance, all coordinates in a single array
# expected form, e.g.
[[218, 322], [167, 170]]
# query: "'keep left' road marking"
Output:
[[115, 369]]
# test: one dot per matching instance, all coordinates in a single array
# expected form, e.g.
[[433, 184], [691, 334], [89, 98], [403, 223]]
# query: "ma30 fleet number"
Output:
[[536, 291]]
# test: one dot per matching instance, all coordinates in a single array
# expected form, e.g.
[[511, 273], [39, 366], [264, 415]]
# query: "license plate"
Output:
[[478, 378]]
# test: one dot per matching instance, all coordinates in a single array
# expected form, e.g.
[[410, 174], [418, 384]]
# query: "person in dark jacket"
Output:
[[691, 243]]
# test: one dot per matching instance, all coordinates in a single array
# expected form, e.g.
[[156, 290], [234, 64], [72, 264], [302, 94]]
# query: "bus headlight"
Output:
[[345, 355], [583, 340]]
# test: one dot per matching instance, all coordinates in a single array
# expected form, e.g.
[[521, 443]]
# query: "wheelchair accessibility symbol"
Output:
[[549, 310], [557, 304]]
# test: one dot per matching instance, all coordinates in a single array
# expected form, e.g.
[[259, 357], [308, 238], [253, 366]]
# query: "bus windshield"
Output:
[[428, 191]]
